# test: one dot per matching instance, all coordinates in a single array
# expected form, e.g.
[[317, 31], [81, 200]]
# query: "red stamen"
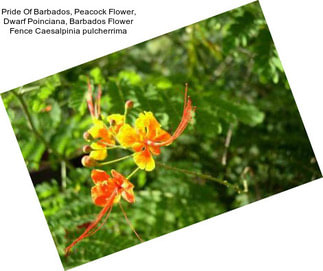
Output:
[[129, 223], [89, 99], [87, 232], [185, 96], [186, 118], [98, 102], [103, 222]]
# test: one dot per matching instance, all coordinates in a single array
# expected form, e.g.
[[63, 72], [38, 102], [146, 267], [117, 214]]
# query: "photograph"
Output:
[[161, 135]]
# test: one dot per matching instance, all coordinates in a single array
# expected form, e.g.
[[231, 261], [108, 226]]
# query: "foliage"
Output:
[[246, 130]]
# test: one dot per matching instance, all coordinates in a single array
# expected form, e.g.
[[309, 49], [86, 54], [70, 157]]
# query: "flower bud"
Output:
[[129, 104], [87, 161], [87, 149], [87, 136]]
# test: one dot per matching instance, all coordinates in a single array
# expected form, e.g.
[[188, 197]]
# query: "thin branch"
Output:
[[201, 175], [226, 146], [33, 129]]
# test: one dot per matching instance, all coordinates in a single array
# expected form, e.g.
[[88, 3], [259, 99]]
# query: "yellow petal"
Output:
[[147, 122], [144, 160], [118, 118], [95, 129], [99, 151], [118, 122], [117, 198], [100, 130], [99, 155], [127, 136]]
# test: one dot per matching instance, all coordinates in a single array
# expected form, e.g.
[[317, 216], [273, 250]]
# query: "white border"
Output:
[[283, 232]]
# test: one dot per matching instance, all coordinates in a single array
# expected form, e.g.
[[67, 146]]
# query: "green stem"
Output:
[[203, 176], [116, 160], [116, 147], [133, 173], [125, 115], [110, 148]]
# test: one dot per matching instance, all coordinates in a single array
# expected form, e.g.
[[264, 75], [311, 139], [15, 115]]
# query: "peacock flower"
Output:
[[147, 136], [147, 129], [106, 192], [105, 186]]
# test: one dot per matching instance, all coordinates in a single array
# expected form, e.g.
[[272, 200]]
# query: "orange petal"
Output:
[[127, 136], [128, 195], [144, 160], [99, 176], [101, 192], [161, 135], [138, 146], [118, 178], [154, 150]]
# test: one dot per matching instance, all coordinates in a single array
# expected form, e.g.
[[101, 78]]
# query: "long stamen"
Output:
[[185, 96], [86, 233], [186, 118], [103, 222], [89, 99], [116, 160], [129, 223], [98, 102]]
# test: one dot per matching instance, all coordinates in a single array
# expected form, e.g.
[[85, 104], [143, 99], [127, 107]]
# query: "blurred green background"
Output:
[[246, 130]]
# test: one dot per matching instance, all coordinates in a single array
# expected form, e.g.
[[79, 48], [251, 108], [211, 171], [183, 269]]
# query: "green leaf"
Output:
[[129, 77], [247, 114], [97, 76]]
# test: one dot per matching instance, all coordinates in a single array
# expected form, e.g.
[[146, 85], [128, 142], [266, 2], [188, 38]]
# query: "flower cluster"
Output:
[[144, 139]]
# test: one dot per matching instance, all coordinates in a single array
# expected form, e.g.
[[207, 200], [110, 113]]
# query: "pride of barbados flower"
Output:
[[106, 192], [105, 186], [147, 129], [146, 138]]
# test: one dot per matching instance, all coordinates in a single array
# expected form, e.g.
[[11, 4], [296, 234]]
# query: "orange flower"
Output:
[[106, 192], [147, 137], [105, 186], [147, 129]]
